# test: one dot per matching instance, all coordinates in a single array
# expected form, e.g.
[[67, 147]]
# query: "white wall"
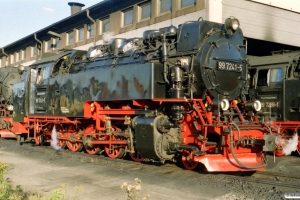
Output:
[[213, 10], [265, 22], [292, 5]]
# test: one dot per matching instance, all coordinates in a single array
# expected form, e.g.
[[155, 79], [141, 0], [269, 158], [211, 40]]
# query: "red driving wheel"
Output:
[[136, 157], [188, 160], [114, 151], [73, 135], [91, 149]]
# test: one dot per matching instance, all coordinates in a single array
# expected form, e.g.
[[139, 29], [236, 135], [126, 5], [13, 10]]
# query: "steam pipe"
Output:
[[39, 42], [233, 153], [187, 147], [176, 147], [165, 58], [88, 15]]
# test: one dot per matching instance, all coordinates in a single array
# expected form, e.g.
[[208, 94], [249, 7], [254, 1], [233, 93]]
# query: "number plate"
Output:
[[230, 66]]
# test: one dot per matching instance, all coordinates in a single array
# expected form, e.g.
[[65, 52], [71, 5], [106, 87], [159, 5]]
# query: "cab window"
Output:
[[43, 72], [269, 76], [262, 79], [276, 75]]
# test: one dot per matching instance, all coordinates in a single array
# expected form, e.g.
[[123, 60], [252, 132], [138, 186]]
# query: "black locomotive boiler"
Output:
[[170, 95]]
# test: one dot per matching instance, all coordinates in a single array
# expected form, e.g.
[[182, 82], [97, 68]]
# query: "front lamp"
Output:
[[253, 106], [257, 105], [224, 104], [231, 24], [10, 107]]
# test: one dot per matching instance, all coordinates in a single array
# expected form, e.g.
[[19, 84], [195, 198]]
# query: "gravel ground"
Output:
[[40, 169]]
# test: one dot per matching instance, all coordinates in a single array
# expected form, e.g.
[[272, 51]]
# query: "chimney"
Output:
[[75, 7]]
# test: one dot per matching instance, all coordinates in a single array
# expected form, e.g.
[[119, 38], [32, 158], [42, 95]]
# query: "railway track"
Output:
[[293, 185], [277, 175]]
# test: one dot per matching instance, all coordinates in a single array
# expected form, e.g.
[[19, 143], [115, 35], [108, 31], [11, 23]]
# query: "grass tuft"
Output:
[[132, 191]]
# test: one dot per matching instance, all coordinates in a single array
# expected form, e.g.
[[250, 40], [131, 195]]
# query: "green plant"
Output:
[[3, 169], [133, 190], [59, 194]]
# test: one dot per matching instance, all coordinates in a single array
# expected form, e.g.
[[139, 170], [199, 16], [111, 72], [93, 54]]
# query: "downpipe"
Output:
[[35, 37], [2, 49], [94, 22]]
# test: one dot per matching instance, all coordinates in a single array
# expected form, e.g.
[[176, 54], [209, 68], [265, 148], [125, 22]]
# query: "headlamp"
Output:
[[253, 106], [224, 104], [231, 24]]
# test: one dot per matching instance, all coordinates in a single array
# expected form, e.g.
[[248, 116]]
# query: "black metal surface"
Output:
[[144, 136], [292, 100], [281, 98], [8, 77], [212, 48], [67, 93]]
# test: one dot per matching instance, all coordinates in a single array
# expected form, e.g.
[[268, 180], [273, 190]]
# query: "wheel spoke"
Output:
[[73, 135], [188, 160], [62, 143], [114, 152], [136, 156], [89, 148], [94, 150]]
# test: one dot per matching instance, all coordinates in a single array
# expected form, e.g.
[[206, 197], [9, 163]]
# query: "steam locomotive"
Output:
[[176, 94], [275, 82]]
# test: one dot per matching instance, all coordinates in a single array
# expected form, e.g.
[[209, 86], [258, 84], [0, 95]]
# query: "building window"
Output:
[[23, 54], [56, 44], [128, 17], [105, 25], [90, 30], [48, 45], [185, 3], [70, 36], [165, 6], [11, 59], [145, 11], [33, 51], [80, 33]]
